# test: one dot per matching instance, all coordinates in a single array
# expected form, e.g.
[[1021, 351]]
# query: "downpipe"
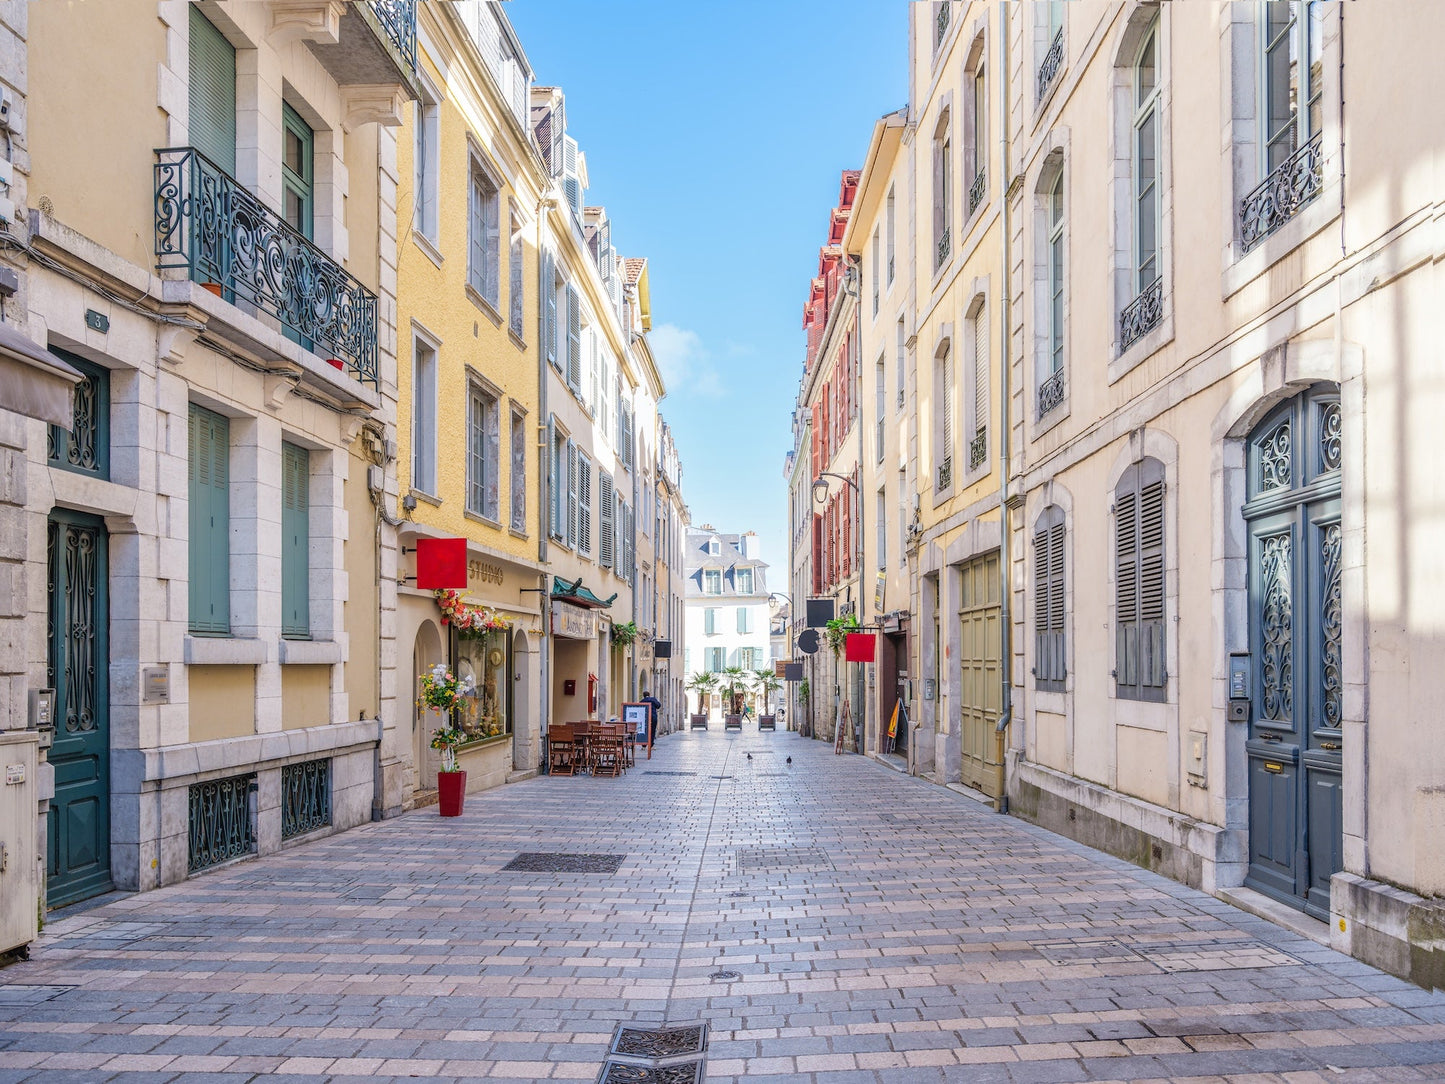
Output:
[[1005, 718]]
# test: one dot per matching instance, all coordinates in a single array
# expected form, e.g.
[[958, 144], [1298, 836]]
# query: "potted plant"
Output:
[[703, 684], [734, 682], [837, 631], [444, 694], [766, 683], [624, 634]]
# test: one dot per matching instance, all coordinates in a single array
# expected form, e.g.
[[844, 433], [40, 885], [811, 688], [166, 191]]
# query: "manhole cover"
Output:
[[725, 976], [760, 858], [1088, 951], [659, 1042], [668, 773], [621, 1072], [1176, 957], [549, 862]]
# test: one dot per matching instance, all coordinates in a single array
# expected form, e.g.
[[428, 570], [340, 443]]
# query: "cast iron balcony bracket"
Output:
[[210, 225], [978, 449], [1141, 315], [398, 19], [1279, 197], [1052, 61], [975, 192], [1051, 392]]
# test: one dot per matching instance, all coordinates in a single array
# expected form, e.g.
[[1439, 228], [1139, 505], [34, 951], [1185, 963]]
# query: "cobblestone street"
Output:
[[828, 920]]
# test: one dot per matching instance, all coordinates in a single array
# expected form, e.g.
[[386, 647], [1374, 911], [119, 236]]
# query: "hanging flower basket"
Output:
[[625, 633], [469, 620]]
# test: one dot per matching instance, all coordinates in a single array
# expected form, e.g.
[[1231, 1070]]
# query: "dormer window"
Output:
[[743, 580], [714, 547], [712, 581]]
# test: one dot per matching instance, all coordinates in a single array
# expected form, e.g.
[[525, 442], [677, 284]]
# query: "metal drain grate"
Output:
[[763, 858], [668, 773], [551, 862], [1176, 957], [622, 1072], [720, 777], [725, 976], [674, 1042]]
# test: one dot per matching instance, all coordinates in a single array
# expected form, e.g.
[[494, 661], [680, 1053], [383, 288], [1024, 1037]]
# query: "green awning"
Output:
[[573, 591]]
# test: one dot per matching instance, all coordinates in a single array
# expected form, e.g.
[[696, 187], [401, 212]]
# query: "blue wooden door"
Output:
[[1295, 744], [78, 850]]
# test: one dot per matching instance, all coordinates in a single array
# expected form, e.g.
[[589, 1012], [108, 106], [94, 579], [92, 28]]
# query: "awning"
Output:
[[574, 592], [35, 382]]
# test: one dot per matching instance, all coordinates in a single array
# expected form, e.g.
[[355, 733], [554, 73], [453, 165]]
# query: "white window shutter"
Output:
[[980, 373], [574, 340], [584, 505], [606, 528], [549, 307], [554, 479], [572, 494]]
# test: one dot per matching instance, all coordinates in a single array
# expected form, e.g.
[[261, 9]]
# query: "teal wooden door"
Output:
[[78, 846]]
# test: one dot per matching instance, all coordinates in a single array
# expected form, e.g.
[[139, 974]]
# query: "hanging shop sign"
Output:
[[573, 622], [441, 563], [860, 647]]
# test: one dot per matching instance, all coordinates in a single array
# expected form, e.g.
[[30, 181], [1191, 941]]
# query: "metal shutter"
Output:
[[213, 92], [295, 541]]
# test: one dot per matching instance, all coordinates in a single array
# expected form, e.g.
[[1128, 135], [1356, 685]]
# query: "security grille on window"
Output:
[[1139, 582], [1050, 658]]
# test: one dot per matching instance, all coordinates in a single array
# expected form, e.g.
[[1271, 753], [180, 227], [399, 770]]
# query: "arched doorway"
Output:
[[524, 723], [1295, 745], [426, 653]]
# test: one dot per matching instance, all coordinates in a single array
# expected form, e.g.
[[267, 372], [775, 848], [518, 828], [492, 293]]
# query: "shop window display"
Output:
[[485, 657]]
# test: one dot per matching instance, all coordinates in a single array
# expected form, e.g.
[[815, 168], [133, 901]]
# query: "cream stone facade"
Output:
[[202, 542]]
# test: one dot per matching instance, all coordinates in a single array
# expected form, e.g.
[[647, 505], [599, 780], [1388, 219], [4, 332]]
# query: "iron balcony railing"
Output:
[[398, 19], [1051, 392], [1049, 68], [978, 449], [230, 241], [945, 472], [945, 245], [1141, 315], [941, 26], [1280, 196], [975, 192]]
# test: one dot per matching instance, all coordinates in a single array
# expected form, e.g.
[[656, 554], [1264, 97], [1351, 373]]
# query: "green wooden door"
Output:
[[78, 844]]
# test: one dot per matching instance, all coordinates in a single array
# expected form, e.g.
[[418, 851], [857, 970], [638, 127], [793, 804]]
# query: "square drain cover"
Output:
[[551, 862], [632, 1042], [621, 1072], [1095, 950], [1213, 955], [668, 773]]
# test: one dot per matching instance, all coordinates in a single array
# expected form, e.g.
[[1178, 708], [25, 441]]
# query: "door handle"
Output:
[[1331, 746], [1270, 737]]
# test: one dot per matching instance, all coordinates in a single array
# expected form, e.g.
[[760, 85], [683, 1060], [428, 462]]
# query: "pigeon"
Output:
[[750, 756], [790, 760]]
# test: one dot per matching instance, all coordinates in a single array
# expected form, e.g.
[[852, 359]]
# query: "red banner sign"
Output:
[[441, 563], [860, 647]]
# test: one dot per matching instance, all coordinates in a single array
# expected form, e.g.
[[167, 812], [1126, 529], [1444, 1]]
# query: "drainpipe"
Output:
[[1004, 564], [544, 655]]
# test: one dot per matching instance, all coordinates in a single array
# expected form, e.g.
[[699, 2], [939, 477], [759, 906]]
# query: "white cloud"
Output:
[[685, 363]]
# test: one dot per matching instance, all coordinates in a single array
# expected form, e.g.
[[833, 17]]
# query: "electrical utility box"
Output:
[[19, 839]]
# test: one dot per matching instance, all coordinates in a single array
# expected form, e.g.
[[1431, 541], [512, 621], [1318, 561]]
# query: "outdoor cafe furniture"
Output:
[[564, 750], [609, 752]]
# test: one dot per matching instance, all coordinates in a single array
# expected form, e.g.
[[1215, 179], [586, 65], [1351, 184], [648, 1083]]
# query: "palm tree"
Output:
[[766, 683], [703, 683], [734, 681]]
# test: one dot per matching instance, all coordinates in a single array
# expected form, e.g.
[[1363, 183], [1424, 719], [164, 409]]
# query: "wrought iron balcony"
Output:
[[1141, 315], [940, 30], [398, 20], [978, 449], [945, 246], [1281, 195], [1051, 392], [975, 191], [890, 268], [945, 473], [207, 223], [1052, 62]]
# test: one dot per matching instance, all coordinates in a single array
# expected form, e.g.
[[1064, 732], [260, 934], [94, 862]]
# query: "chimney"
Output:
[[750, 545]]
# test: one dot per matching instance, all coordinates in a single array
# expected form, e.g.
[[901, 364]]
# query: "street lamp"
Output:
[[820, 486]]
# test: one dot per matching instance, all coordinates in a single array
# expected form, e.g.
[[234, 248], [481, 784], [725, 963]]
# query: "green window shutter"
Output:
[[210, 522], [295, 541], [213, 92]]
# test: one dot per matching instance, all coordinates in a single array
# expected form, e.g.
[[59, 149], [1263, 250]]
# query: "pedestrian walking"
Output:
[[654, 709]]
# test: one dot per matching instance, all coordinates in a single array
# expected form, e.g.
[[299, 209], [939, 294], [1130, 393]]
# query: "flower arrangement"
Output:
[[442, 692], [837, 631], [469, 620], [624, 633]]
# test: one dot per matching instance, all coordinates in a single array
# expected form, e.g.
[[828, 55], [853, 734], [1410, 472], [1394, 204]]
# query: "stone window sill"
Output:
[[224, 651], [310, 652]]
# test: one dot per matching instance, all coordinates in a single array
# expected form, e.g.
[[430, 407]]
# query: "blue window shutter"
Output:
[[213, 92], [574, 340], [295, 541], [549, 308], [210, 522]]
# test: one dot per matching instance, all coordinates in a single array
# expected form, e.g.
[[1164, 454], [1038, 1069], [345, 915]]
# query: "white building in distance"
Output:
[[727, 602]]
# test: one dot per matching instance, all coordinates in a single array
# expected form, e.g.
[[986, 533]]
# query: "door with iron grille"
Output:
[[1296, 827], [979, 651], [78, 845]]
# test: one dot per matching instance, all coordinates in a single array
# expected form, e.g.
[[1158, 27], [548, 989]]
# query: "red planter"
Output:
[[451, 792], [336, 363]]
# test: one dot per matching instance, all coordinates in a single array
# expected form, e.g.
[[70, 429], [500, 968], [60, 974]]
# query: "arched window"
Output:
[[1139, 660]]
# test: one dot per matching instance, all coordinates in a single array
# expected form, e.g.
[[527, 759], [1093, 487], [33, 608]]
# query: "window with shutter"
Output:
[[484, 236], [574, 341], [514, 278], [572, 494], [491, 458], [606, 541], [518, 481], [1050, 666], [744, 620], [557, 479], [709, 622], [549, 309], [1139, 582], [209, 546], [295, 542], [980, 372], [476, 453], [584, 505], [212, 92]]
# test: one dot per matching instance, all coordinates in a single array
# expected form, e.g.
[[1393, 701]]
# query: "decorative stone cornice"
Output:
[[373, 103], [306, 20]]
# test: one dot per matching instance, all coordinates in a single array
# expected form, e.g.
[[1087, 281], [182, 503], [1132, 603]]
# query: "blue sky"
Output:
[[714, 135]]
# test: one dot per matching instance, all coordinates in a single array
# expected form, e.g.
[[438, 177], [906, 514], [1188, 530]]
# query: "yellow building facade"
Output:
[[470, 184]]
